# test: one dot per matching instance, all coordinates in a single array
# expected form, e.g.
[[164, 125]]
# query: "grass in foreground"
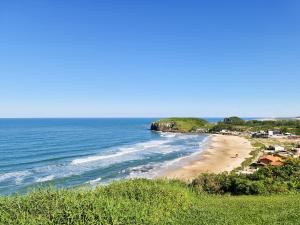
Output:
[[146, 202]]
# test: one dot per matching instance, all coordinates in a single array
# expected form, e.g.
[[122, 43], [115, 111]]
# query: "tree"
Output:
[[234, 120]]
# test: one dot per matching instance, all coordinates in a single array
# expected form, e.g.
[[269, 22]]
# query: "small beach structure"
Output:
[[260, 134], [278, 148], [270, 160]]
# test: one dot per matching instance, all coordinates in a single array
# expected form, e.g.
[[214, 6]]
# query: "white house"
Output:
[[278, 148]]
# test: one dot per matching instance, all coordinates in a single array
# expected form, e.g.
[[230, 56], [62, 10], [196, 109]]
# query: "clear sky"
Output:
[[149, 58]]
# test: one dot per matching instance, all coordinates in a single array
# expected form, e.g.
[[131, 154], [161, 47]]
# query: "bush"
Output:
[[149, 202], [266, 180], [234, 120], [209, 183]]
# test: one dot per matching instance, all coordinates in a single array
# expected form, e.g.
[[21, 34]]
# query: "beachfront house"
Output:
[[270, 160], [260, 134], [279, 148], [277, 132], [276, 148]]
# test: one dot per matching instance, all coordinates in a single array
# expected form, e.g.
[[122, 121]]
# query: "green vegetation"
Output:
[[266, 180], [146, 202], [183, 125], [234, 123], [237, 124], [271, 195], [234, 120]]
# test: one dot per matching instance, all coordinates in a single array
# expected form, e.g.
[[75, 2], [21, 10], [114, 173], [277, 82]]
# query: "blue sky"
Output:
[[149, 58]]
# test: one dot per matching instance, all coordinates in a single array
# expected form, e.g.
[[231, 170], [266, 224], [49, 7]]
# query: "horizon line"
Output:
[[147, 117]]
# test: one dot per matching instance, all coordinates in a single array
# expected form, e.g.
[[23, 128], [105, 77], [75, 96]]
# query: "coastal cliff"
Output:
[[182, 125]]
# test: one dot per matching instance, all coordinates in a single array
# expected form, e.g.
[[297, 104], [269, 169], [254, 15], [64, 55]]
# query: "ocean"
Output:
[[64, 153]]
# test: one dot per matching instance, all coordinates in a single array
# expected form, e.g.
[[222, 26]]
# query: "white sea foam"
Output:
[[46, 178], [168, 135], [18, 176], [122, 151], [143, 150], [101, 157], [151, 170], [95, 181]]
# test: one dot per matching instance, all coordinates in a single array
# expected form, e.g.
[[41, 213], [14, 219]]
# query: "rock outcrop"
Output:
[[164, 126], [181, 125]]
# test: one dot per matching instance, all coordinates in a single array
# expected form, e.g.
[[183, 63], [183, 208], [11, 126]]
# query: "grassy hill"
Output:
[[146, 202], [180, 124], [185, 125]]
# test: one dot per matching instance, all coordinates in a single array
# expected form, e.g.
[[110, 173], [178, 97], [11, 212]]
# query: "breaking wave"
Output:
[[17, 177]]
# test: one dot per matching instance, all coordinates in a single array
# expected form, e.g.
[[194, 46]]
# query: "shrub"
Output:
[[266, 180], [234, 120], [209, 183]]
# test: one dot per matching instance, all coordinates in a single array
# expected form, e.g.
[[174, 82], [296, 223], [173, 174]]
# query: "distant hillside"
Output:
[[195, 125], [288, 118], [183, 125]]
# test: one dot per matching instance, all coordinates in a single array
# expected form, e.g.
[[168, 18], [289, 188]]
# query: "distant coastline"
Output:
[[230, 143]]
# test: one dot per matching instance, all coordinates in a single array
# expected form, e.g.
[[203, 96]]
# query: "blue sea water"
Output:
[[72, 152]]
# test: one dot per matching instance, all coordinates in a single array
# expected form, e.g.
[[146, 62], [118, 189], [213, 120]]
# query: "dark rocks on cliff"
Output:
[[165, 127]]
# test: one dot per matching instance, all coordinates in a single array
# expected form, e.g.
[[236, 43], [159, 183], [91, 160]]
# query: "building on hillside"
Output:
[[277, 132], [260, 134], [270, 133], [270, 160], [278, 148]]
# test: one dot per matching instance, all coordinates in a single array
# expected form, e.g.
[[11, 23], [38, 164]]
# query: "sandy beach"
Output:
[[221, 153]]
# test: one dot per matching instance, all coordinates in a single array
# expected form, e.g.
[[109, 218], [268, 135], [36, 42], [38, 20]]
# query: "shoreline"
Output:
[[220, 153]]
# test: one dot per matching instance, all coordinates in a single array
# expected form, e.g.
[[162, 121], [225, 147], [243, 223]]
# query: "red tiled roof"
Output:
[[269, 158], [276, 163]]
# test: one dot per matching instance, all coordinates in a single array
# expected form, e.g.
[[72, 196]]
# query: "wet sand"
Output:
[[221, 153]]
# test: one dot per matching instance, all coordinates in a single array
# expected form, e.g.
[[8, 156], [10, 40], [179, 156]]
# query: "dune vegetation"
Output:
[[146, 202]]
